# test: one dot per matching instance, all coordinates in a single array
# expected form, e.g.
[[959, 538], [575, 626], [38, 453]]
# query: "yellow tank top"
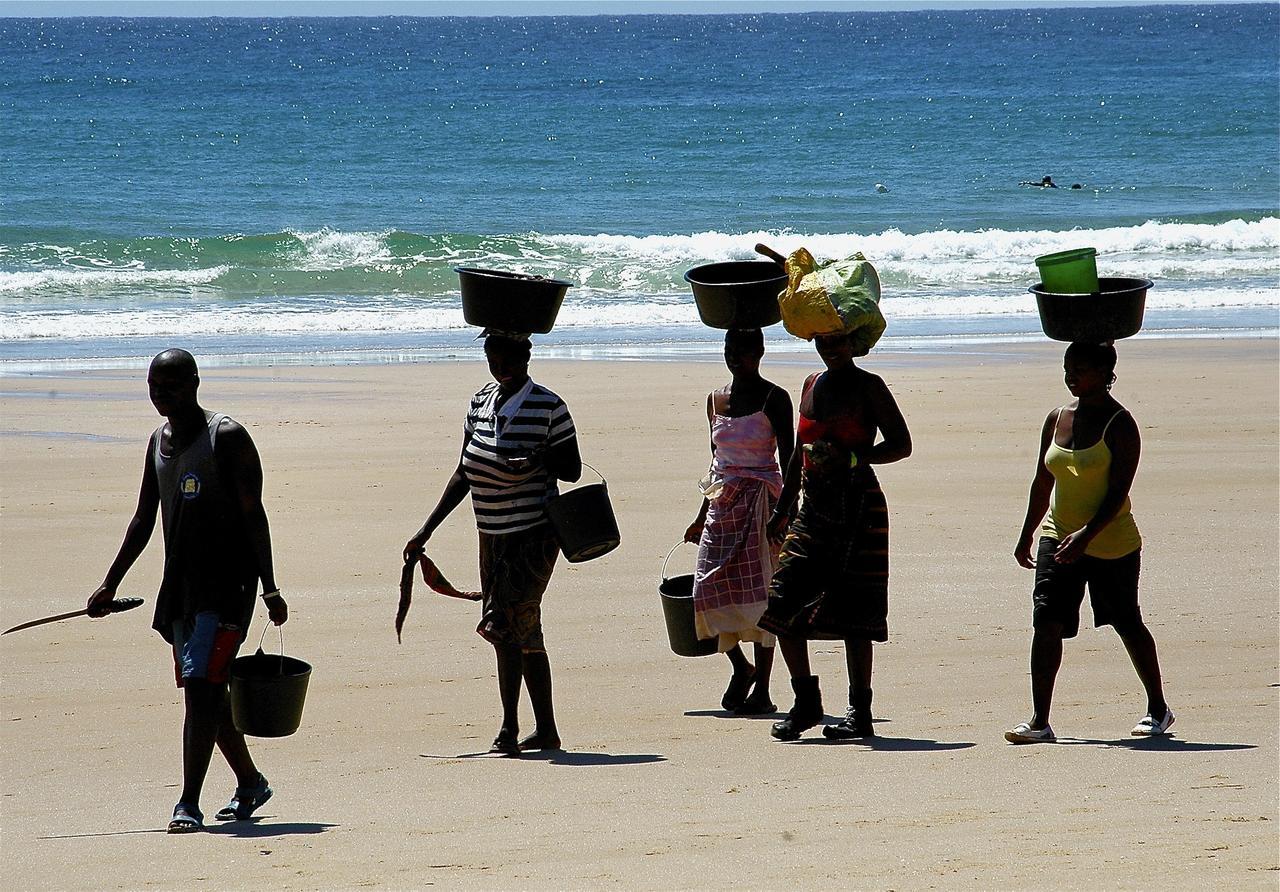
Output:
[[1080, 478]]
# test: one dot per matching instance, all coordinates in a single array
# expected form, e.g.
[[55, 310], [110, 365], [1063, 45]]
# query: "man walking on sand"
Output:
[[203, 472]]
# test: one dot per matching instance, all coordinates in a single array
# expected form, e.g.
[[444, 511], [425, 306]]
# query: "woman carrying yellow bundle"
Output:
[[832, 579]]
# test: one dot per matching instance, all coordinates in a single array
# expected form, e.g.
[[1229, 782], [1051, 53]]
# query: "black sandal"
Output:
[[538, 741], [245, 801], [505, 744], [186, 819]]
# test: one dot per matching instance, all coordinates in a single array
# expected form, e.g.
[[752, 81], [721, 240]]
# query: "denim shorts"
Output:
[[1059, 591], [204, 648]]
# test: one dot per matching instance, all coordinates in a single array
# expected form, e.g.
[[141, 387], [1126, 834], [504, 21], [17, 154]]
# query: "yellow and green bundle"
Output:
[[839, 296]]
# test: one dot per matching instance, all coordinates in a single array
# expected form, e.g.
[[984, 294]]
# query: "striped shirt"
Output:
[[507, 499]]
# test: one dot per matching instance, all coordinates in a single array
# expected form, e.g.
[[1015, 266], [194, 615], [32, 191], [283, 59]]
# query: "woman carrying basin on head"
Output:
[[518, 440], [1088, 456], [750, 421]]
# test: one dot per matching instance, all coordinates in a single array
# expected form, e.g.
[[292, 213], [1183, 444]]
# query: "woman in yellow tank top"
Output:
[[1089, 451]]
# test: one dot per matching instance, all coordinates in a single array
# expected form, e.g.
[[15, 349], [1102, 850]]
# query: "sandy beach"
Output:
[[658, 788]]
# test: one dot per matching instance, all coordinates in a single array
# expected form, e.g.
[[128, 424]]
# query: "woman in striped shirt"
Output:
[[518, 440]]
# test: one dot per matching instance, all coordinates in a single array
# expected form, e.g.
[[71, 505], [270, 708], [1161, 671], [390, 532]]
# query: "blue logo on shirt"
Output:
[[189, 486]]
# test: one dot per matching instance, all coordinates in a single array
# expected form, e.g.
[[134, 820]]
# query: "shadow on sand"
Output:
[[1164, 744], [890, 744], [726, 714], [561, 757], [252, 828]]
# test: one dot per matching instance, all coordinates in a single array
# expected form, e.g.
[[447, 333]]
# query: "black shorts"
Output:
[[1059, 591]]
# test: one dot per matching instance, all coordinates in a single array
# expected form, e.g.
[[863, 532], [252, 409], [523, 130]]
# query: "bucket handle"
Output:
[[263, 637], [597, 473], [668, 557]]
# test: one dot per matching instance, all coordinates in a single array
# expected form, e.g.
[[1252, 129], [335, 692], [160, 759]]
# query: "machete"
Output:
[[119, 605]]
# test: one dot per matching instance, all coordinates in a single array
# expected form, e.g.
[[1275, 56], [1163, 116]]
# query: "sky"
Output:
[[269, 8]]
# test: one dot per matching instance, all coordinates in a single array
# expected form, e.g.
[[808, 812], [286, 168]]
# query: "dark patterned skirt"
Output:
[[514, 571], [832, 580]]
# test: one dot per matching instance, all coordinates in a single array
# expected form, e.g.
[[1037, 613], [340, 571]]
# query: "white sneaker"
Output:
[[1149, 727], [1024, 733]]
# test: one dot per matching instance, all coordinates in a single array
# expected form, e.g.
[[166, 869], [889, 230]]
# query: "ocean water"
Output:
[[262, 190]]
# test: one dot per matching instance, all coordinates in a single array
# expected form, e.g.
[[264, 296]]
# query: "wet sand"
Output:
[[658, 788]]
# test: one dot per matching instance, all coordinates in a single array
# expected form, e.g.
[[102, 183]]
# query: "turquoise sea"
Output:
[[263, 190]]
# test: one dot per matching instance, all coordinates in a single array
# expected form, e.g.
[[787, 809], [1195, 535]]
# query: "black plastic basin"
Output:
[[1112, 312], [738, 293], [494, 298]]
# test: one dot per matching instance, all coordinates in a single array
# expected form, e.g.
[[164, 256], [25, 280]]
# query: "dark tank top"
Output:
[[209, 563], [847, 431]]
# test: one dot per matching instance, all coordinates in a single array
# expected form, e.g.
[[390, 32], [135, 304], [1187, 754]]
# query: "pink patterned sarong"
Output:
[[735, 560]]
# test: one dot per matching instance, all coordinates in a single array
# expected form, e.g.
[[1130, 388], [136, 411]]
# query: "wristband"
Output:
[[271, 595]]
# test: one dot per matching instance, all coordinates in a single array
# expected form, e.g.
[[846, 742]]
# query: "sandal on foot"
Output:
[[1024, 733], [186, 819], [245, 801], [736, 694], [1149, 727], [538, 741], [505, 744]]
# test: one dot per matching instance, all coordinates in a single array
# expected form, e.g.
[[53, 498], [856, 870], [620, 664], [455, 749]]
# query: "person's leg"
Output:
[[203, 704], [795, 653], [537, 677], [1056, 600], [1142, 651], [807, 710], [509, 675], [738, 660], [1113, 587], [1046, 660], [740, 682], [252, 790], [857, 657], [234, 749], [857, 720], [764, 669], [759, 701]]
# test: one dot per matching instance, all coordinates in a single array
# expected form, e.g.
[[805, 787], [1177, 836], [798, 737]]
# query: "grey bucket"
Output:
[[584, 522], [267, 693], [677, 610]]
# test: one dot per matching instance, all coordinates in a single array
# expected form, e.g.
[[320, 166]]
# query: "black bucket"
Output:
[[677, 610], [584, 522], [1112, 312], [493, 298], [267, 693], [738, 294]]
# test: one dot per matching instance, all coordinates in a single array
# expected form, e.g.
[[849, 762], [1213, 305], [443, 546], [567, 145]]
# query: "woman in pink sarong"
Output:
[[751, 429]]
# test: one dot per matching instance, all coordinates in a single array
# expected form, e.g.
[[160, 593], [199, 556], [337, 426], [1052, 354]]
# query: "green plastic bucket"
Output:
[[1069, 272]]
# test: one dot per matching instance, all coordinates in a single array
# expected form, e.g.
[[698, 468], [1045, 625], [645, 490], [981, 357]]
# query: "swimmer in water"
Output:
[[1046, 183]]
